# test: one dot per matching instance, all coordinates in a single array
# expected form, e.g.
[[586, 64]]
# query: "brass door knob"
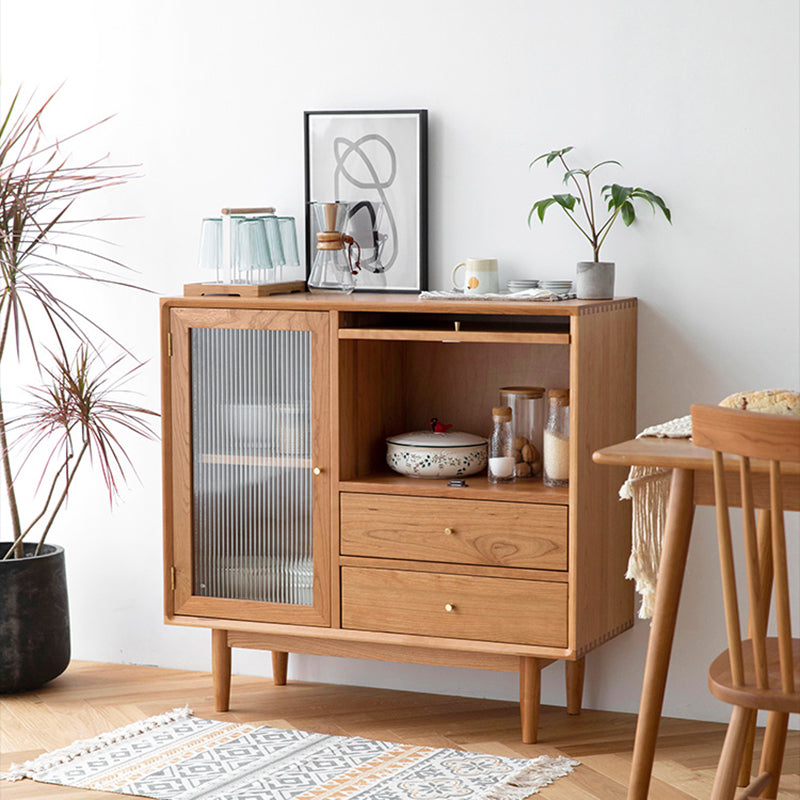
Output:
[[448, 531], [449, 607], [317, 470]]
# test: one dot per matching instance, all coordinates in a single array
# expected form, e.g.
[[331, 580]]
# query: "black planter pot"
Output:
[[34, 618]]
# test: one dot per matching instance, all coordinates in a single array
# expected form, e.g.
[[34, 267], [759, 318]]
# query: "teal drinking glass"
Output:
[[272, 225], [210, 257], [291, 257], [250, 256]]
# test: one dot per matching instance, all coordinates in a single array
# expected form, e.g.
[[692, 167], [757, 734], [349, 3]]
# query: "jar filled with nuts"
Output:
[[527, 405]]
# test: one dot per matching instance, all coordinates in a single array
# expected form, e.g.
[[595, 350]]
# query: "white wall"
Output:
[[698, 100]]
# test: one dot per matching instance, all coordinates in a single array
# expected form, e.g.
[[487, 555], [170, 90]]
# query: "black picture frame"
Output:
[[378, 162]]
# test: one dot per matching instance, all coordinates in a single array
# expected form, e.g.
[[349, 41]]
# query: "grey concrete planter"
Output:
[[34, 618], [595, 280]]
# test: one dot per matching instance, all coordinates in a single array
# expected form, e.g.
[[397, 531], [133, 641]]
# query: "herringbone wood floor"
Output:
[[91, 698]]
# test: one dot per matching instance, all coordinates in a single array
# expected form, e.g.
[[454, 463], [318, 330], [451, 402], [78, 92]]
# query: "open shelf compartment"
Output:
[[389, 386]]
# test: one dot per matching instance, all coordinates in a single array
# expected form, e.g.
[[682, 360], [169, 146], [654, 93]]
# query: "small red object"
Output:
[[439, 427]]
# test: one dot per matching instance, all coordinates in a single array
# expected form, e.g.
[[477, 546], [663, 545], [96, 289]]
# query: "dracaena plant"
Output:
[[617, 201], [76, 411]]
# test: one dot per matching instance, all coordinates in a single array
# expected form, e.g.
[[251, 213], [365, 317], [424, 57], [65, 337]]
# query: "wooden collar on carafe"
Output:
[[330, 238]]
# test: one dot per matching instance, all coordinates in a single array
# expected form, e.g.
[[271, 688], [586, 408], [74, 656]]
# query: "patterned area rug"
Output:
[[179, 757]]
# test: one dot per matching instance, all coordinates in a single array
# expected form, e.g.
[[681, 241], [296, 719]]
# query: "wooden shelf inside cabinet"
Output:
[[477, 488], [484, 337]]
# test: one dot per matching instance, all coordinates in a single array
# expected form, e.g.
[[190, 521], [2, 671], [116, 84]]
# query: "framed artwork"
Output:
[[377, 163]]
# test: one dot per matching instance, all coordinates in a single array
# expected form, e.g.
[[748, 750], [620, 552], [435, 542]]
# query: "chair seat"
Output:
[[722, 687]]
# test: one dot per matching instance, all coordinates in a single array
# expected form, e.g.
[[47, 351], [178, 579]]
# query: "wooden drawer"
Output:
[[454, 531], [486, 609]]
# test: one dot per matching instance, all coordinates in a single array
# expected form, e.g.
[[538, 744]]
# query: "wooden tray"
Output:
[[242, 289]]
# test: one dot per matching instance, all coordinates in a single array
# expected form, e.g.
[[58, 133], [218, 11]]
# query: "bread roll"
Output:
[[767, 401]]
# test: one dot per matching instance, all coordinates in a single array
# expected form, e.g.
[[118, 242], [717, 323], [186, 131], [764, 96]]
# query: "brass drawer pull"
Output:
[[449, 607], [317, 471], [448, 531]]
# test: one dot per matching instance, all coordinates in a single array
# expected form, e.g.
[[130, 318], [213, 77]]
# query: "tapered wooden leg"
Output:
[[772, 752], [677, 533], [574, 674], [221, 667], [746, 767], [280, 662], [530, 690], [731, 757]]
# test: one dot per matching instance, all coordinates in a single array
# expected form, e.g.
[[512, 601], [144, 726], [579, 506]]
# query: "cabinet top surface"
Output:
[[407, 303]]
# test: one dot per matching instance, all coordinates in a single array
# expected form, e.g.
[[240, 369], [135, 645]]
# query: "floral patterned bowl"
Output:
[[425, 454]]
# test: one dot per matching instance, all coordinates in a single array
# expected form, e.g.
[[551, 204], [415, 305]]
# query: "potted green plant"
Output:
[[595, 278], [75, 411]]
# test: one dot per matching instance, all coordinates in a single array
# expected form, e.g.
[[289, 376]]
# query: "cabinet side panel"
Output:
[[603, 411], [335, 462], [166, 455], [180, 466], [371, 391]]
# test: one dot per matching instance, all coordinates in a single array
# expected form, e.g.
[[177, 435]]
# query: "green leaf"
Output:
[[654, 200], [640, 195], [539, 207], [610, 161], [573, 172], [551, 156], [618, 194], [627, 212], [566, 200]]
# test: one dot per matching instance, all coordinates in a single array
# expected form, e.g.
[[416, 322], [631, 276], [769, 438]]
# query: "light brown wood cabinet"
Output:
[[286, 531]]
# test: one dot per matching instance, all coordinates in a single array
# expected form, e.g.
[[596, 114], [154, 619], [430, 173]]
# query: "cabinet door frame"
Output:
[[178, 441]]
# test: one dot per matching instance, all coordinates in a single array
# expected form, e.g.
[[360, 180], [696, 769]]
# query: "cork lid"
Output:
[[527, 391], [501, 413], [558, 397]]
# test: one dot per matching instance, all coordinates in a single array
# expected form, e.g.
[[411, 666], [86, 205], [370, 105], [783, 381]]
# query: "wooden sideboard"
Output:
[[284, 529]]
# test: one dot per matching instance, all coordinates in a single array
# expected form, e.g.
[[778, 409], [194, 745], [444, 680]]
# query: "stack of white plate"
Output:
[[557, 287], [521, 285]]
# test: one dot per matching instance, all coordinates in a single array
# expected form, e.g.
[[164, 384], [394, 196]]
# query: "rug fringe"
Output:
[[46, 761], [537, 774]]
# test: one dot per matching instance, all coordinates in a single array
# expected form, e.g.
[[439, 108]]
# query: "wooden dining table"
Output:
[[691, 484]]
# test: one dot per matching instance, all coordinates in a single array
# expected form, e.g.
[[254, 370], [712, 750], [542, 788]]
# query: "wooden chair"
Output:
[[760, 672]]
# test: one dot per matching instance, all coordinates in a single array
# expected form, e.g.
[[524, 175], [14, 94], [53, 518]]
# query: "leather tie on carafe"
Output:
[[350, 241]]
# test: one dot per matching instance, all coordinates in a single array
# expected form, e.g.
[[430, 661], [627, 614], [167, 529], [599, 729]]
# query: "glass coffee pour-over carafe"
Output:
[[334, 269]]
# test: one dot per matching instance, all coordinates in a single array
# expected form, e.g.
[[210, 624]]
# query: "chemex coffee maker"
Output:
[[334, 269]]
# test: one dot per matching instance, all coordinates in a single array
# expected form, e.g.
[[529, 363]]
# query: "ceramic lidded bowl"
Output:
[[425, 454]]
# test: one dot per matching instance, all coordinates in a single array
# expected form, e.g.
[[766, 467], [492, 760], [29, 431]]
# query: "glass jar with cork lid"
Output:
[[527, 410], [556, 439], [501, 447]]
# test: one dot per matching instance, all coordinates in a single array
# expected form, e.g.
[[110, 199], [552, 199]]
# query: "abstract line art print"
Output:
[[376, 162]]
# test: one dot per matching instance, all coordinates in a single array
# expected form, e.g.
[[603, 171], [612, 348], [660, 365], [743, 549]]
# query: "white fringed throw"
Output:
[[648, 489]]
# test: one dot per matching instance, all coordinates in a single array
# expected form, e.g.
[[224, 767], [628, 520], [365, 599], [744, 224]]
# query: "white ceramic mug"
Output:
[[480, 276]]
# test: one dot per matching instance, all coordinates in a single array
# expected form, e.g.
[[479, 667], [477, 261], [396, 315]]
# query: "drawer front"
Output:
[[455, 606], [454, 531]]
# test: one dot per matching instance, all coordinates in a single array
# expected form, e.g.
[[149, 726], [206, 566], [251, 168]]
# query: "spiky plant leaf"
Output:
[[44, 247]]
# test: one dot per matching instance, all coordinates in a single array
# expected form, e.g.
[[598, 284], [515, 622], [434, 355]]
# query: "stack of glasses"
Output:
[[262, 247]]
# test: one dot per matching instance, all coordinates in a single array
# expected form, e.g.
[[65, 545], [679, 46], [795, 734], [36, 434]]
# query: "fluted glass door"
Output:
[[252, 398], [251, 445]]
